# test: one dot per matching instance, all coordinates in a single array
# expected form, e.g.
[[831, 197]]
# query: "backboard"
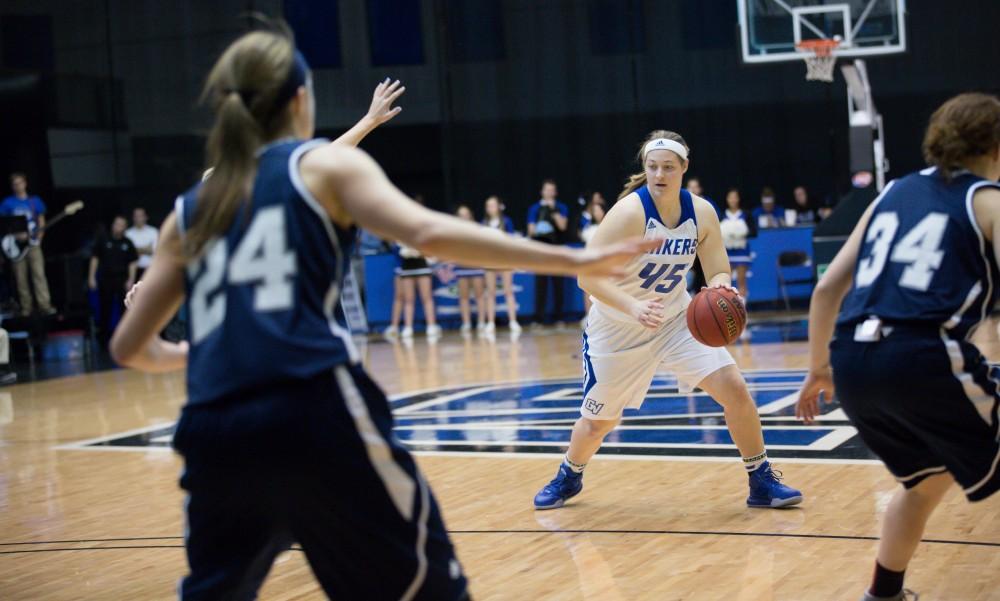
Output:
[[770, 29]]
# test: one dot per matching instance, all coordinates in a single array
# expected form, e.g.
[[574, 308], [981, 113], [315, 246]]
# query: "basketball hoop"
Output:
[[819, 58]]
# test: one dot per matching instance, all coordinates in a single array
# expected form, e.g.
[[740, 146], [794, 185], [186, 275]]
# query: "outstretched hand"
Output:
[[130, 296], [818, 385], [381, 109], [610, 260]]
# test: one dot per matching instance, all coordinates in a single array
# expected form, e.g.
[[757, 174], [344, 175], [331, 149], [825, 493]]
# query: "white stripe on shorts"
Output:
[[398, 484], [924, 472], [979, 398]]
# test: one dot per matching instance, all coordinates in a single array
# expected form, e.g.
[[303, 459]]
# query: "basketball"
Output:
[[716, 316]]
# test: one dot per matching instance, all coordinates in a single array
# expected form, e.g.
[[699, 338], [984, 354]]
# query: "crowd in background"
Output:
[[117, 259], [551, 221], [119, 256]]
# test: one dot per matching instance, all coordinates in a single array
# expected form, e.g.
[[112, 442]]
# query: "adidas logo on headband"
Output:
[[665, 144]]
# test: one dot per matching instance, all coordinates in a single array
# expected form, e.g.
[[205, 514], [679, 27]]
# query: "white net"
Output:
[[820, 59], [820, 68]]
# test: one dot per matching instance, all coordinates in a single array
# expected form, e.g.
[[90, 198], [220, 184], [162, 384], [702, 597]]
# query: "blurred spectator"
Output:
[[547, 221], [767, 214], [494, 218], [144, 237], [113, 266], [470, 283], [33, 209], [736, 228], [696, 277], [591, 216], [413, 275], [694, 187], [804, 213]]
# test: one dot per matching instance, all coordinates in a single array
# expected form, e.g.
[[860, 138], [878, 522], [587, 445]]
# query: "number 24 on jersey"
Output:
[[262, 259]]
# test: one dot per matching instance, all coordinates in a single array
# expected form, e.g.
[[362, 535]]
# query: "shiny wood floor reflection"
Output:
[[106, 525]]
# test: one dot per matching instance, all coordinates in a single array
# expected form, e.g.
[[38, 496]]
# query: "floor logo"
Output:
[[537, 416]]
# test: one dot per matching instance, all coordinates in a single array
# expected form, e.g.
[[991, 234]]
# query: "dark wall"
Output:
[[503, 93]]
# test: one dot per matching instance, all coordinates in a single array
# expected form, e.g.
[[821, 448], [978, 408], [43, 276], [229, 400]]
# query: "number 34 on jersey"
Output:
[[920, 250]]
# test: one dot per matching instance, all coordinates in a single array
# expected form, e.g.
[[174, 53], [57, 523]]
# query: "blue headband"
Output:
[[298, 73]]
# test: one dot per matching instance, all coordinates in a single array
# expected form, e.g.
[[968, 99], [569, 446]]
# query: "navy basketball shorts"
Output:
[[923, 403], [311, 463]]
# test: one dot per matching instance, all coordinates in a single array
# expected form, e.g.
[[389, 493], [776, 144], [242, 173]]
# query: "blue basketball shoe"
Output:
[[766, 489], [566, 485]]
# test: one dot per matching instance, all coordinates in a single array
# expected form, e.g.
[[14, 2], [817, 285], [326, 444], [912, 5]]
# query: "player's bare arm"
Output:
[[354, 189], [823, 309], [711, 250], [623, 221], [380, 111], [136, 342]]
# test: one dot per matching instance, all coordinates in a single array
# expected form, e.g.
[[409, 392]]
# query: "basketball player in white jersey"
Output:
[[638, 323]]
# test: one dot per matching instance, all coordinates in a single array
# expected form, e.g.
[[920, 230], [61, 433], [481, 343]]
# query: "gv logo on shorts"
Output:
[[593, 406]]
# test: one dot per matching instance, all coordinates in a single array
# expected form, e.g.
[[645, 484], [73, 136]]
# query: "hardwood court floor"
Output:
[[85, 524]]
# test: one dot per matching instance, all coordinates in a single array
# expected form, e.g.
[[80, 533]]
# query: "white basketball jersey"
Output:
[[661, 273]]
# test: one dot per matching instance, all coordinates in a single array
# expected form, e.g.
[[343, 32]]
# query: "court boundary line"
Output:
[[835, 537], [617, 457]]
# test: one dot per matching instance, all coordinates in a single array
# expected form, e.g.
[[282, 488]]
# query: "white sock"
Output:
[[752, 463], [576, 468]]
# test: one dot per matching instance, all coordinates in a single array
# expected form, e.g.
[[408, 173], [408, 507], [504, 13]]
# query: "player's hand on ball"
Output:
[[730, 288], [385, 94], [649, 313], [818, 385], [130, 297]]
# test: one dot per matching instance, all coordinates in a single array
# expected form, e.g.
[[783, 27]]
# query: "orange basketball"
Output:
[[716, 316]]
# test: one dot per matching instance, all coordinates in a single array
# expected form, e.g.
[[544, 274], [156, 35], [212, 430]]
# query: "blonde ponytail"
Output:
[[637, 180], [243, 88]]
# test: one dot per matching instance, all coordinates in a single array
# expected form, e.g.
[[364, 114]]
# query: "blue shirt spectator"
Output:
[[541, 221], [548, 217], [767, 214], [547, 220], [30, 207]]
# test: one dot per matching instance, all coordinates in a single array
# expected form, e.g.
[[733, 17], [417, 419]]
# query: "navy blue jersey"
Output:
[[923, 258], [262, 298]]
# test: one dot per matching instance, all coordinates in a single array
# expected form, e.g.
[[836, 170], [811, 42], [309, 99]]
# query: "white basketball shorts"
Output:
[[620, 359]]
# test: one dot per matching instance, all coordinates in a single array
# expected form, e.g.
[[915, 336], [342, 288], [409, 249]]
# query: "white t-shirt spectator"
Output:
[[141, 237]]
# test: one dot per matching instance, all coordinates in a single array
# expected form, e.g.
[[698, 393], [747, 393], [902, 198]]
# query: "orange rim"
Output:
[[818, 47]]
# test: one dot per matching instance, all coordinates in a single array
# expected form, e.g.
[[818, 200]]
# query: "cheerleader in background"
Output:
[[414, 275], [470, 282], [590, 218], [496, 219], [736, 228]]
